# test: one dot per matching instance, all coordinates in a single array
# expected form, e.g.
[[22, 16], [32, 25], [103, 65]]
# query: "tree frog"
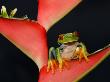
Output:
[[70, 48]]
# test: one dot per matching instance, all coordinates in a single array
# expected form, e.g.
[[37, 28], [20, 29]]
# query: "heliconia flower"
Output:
[[30, 37]]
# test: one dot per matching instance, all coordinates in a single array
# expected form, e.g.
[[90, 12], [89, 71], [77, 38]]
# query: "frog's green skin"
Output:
[[67, 50]]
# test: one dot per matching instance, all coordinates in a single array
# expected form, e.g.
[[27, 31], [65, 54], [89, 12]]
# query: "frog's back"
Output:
[[68, 37]]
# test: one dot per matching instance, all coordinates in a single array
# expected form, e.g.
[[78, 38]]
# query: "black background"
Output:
[[91, 19]]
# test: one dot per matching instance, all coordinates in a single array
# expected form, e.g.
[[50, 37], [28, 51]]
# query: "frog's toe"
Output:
[[52, 65], [83, 55], [66, 64], [63, 64], [87, 59]]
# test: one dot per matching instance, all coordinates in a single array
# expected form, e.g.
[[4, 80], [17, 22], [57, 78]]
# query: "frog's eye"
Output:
[[75, 33], [60, 37]]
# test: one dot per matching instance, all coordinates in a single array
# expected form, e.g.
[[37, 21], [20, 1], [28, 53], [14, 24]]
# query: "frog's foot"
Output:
[[52, 61], [82, 53], [63, 63], [52, 65]]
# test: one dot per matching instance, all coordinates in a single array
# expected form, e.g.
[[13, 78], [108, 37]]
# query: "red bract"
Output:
[[28, 36], [50, 11], [77, 69]]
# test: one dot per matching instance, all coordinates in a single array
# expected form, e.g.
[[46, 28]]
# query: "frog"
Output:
[[70, 48]]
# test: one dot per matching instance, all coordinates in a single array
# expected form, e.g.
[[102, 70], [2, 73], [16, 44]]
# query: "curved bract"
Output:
[[50, 11], [76, 70], [29, 37]]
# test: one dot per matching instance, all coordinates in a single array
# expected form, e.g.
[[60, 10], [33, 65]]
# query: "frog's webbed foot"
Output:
[[63, 63], [81, 51], [52, 62]]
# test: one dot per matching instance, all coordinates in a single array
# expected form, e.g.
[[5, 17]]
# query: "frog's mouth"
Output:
[[69, 41], [68, 38]]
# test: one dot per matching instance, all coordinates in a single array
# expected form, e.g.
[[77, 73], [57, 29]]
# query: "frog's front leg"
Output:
[[55, 60], [62, 62], [81, 51], [52, 60]]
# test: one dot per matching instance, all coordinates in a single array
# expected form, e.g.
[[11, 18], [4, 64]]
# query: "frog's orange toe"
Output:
[[63, 64], [52, 65], [82, 55], [66, 64]]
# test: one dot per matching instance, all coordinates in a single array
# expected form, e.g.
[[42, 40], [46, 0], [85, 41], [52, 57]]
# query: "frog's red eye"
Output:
[[76, 33], [60, 37]]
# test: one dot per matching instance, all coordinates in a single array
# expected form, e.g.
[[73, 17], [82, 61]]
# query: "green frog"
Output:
[[70, 48]]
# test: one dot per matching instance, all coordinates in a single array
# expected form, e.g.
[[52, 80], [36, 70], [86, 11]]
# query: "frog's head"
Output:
[[68, 37]]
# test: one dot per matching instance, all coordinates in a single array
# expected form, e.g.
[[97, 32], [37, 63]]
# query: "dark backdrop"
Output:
[[91, 19]]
